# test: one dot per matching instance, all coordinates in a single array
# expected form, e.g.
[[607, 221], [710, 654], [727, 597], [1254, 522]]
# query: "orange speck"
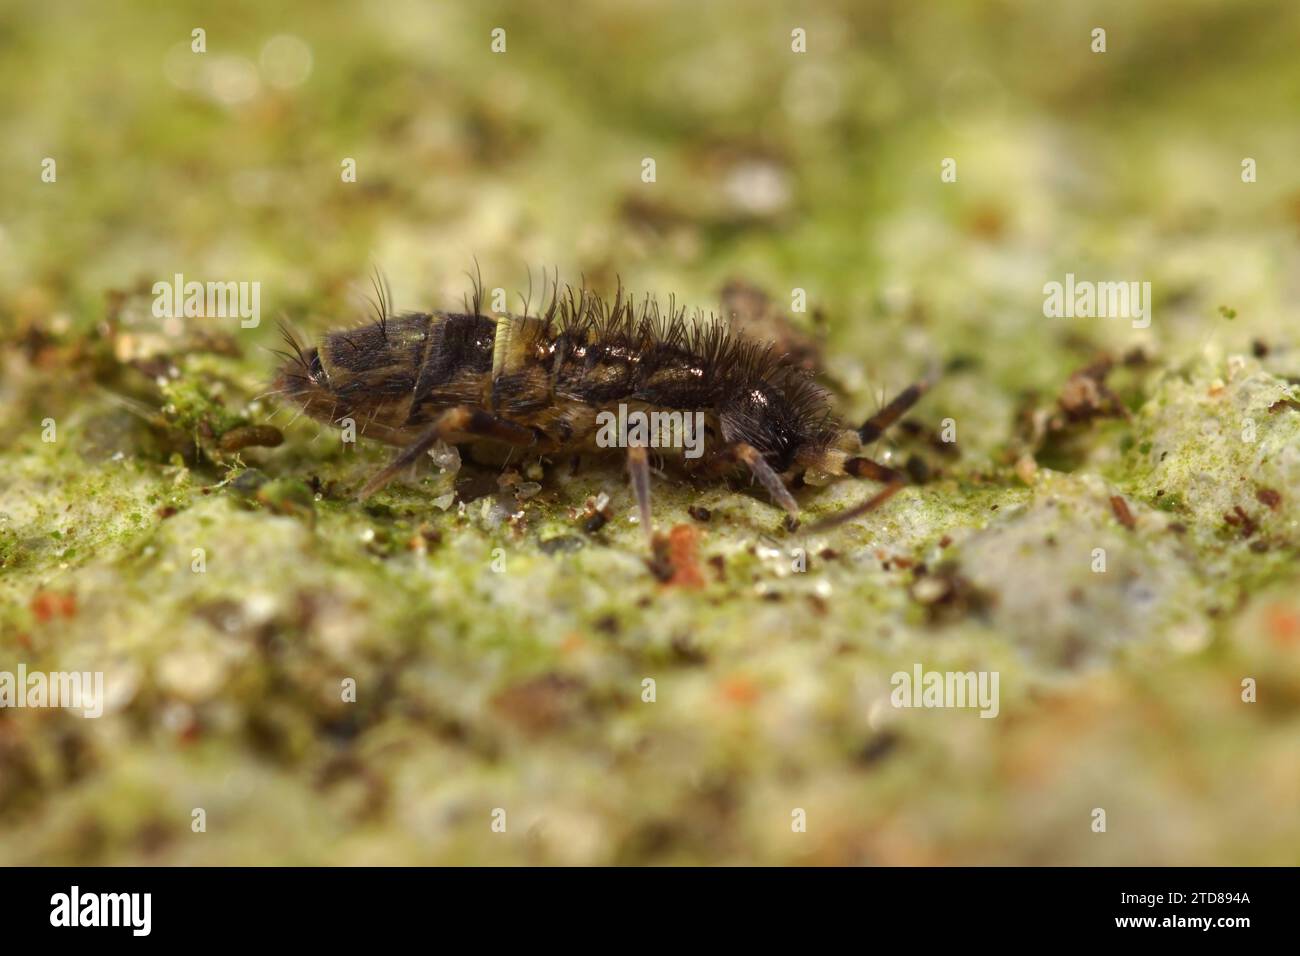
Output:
[[1283, 623], [683, 557], [572, 642], [42, 606], [739, 690], [47, 605]]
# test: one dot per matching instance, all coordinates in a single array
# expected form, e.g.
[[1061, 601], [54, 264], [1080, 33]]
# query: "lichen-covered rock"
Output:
[[486, 663], [1220, 442], [1073, 584]]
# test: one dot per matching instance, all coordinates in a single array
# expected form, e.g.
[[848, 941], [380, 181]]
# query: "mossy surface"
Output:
[[499, 649]]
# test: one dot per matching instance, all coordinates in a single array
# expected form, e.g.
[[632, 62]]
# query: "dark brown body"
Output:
[[394, 380], [541, 383]]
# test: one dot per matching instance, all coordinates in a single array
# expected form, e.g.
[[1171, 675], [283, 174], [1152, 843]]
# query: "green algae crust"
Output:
[[498, 651]]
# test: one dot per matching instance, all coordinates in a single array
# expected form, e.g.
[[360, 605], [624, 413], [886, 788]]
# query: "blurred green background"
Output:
[[816, 170]]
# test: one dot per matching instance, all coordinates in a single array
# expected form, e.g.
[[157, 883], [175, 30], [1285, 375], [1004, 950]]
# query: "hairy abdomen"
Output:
[[394, 379]]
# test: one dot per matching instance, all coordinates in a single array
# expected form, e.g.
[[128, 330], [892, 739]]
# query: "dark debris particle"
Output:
[[595, 515], [879, 747], [474, 483], [1086, 396], [947, 595], [1259, 348], [1267, 496], [698, 513], [1285, 403], [1136, 357], [661, 567], [1238, 518], [687, 651], [541, 704], [246, 436], [917, 470], [342, 728], [562, 544], [1122, 513]]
